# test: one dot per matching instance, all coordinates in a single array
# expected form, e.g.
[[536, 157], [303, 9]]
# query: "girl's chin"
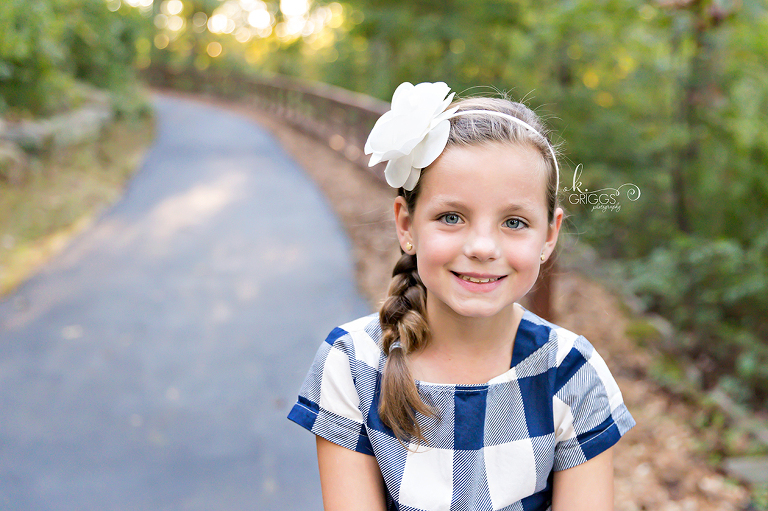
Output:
[[481, 312]]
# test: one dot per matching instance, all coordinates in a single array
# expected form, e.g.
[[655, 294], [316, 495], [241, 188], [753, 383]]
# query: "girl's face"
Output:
[[481, 215]]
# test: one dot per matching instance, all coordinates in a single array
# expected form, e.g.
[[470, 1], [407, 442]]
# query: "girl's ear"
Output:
[[552, 232], [403, 222]]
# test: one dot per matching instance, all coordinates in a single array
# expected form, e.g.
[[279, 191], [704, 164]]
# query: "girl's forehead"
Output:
[[490, 174]]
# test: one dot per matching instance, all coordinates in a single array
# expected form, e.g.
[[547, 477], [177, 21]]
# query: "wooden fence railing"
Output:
[[340, 117], [343, 119]]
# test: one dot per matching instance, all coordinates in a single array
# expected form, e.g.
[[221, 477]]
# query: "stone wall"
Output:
[[20, 139]]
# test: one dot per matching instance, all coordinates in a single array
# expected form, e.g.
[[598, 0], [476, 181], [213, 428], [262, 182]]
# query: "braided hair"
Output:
[[403, 319]]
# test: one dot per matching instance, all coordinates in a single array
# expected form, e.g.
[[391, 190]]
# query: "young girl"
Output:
[[453, 396]]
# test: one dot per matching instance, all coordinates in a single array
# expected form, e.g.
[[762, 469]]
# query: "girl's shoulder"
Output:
[[536, 334], [359, 339], [368, 323]]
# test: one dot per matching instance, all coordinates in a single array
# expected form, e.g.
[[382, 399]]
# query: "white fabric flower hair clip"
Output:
[[411, 135]]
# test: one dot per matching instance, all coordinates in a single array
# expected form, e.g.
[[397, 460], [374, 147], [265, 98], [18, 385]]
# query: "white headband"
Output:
[[415, 132], [524, 125]]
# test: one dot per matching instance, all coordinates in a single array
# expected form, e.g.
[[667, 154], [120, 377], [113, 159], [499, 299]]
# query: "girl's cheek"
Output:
[[440, 243], [523, 252]]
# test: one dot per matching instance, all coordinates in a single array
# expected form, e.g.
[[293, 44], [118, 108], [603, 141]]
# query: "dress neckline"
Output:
[[520, 351]]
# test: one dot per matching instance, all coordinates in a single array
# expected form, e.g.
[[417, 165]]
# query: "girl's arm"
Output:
[[585, 487], [351, 481]]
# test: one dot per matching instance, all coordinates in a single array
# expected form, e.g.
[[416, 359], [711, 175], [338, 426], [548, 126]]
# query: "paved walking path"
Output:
[[152, 364]]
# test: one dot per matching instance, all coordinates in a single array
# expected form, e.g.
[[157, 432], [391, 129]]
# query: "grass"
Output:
[[65, 190]]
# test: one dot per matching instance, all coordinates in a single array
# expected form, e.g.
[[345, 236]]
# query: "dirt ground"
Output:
[[657, 464]]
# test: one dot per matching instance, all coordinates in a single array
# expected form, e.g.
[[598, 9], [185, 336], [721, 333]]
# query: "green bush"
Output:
[[102, 44], [48, 45], [31, 57], [716, 292]]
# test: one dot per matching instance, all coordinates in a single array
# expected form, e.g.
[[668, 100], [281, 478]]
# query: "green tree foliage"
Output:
[[48, 45], [716, 294], [30, 56], [101, 43]]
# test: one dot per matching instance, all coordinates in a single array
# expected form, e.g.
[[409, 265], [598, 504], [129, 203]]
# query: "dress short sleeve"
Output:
[[589, 411], [329, 403]]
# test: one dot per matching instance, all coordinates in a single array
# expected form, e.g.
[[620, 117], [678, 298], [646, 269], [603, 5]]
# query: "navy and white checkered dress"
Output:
[[495, 445]]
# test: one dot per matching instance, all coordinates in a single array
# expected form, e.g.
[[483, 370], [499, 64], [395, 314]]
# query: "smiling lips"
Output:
[[478, 278]]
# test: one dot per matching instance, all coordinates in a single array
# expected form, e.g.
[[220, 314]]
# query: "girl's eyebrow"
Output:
[[448, 203], [441, 202]]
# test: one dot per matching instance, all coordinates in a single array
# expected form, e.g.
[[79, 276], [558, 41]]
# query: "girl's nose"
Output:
[[482, 245]]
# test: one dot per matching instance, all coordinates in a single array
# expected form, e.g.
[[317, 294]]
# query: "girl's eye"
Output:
[[514, 223], [451, 218]]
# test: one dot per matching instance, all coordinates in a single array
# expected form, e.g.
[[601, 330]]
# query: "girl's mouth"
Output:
[[477, 280]]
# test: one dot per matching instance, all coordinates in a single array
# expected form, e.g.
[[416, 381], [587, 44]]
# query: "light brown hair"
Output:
[[403, 314]]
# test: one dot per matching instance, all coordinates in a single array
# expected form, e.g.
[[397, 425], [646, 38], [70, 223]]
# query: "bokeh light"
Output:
[[243, 35], [175, 23], [140, 3], [174, 6], [217, 23], [214, 49], [294, 8], [277, 23], [161, 41], [260, 18], [161, 21], [199, 19], [591, 79]]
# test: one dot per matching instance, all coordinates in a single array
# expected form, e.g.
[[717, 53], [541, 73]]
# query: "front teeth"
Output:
[[479, 281]]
